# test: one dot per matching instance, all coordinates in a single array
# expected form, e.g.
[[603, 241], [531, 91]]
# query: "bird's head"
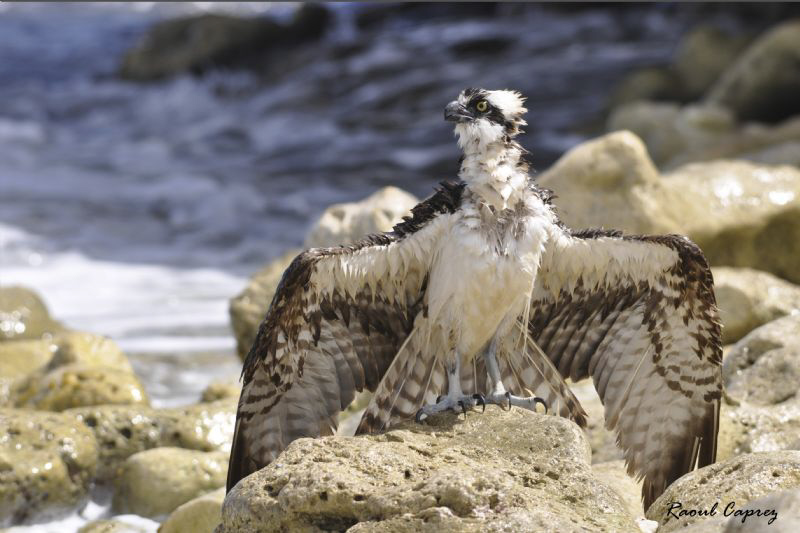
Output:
[[484, 117]]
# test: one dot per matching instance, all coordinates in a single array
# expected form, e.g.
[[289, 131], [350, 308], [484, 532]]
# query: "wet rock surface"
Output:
[[486, 472], [47, 464], [200, 514], [155, 482], [24, 315]]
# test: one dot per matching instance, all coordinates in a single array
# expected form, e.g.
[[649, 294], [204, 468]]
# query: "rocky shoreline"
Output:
[[722, 170]]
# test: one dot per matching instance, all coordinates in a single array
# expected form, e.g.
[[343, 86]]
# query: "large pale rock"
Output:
[[786, 505], [23, 315], [90, 350], [509, 471], [615, 475], [339, 224], [114, 526], [77, 386], [47, 462], [739, 479], [348, 222], [220, 390], [741, 214], [677, 135], [749, 298], [670, 130], [18, 358], [247, 309], [764, 82], [155, 482], [200, 515], [749, 428], [122, 431], [764, 367]]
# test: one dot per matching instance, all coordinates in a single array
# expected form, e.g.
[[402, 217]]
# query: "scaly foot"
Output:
[[506, 400], [451, 403]]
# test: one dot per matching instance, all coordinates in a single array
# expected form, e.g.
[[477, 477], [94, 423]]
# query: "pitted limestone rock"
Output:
[[481, 472]]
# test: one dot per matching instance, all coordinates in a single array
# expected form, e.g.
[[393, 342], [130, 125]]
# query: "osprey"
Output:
[[483, 296]]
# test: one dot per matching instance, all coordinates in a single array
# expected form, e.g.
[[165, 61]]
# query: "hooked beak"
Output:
[[455, 112]]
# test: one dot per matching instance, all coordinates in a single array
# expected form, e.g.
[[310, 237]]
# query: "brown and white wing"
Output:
[[638, 315], [336, 322]]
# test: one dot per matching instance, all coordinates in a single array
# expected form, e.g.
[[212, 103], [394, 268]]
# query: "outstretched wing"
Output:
[[338, 317], [638, 315]]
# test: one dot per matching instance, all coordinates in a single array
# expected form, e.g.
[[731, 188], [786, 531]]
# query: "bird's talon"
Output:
[[439, 399], [418, 417], [508, 397], [480, 400], [536, 400], [463, 407]]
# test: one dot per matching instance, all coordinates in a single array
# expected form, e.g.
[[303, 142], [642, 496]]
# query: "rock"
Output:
[[602, 441], [764, 367], [113, 526], [154, 482], [615, 475], [340, 223], [247, 309], [47, 463], [669, 130], [785, 503], [198, 43], [122, 431], [201, 514], [78, 385], [678, 135], [510, 471], [749, 298], [764, 82], [702, 56], [739, 213], [18, 358], [90, 350], [220, 390], [23, 315], [739, 480], [652, 83], [204, 426], [348, 222], [751, 428]]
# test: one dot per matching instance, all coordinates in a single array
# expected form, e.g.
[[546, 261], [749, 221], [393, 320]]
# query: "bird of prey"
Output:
[[483, 296]]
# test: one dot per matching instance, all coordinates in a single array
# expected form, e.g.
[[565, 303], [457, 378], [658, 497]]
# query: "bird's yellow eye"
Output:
[[482, 106]]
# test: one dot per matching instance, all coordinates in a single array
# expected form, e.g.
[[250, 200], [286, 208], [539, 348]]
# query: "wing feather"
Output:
[[638, 315], [335, 324]]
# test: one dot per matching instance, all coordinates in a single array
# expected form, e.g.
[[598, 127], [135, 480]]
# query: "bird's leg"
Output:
[[498, 394], [455, 400]]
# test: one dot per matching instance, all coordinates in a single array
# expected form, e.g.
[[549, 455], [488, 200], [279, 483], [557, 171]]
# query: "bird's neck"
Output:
[[496, 172]]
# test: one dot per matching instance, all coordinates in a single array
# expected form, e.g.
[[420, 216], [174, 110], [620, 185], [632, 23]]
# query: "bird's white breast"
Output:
[[483, 272]]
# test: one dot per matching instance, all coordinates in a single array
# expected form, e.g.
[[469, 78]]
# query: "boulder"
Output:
[[747, 428], [650, 84], [198, 43], [47, 462], [220, 390], [122, 431], [785, 503], [23, 315], [247, 309], [201, 514], [702, 56], [155, 482], [205, 426], [740, 214], [18, 358], [749, 298], [735, 482], [509, 471], [670, 131], [615, 475], [764, 367], [78, 385], [339, 224], [348, 222], [763, 84], [677, 135], [115, 526], [90, 350]]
